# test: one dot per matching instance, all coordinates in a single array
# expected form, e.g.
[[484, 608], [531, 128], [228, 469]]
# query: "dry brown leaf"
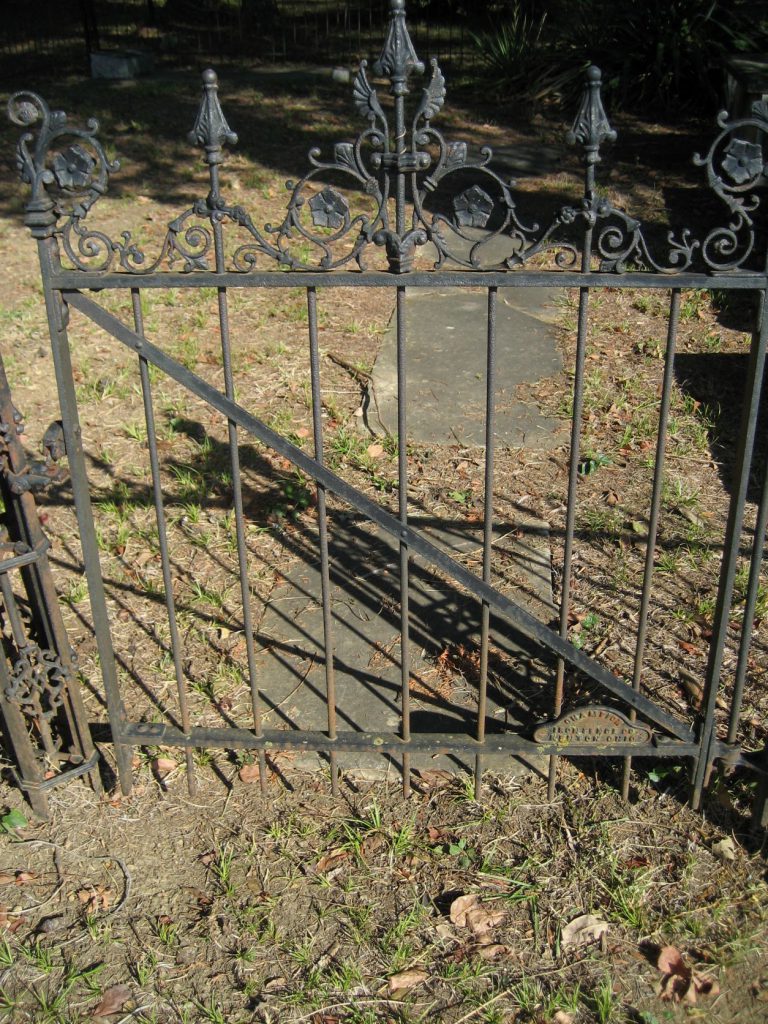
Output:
[[489, 950], [374, 450], [10, 924], [163, 766], [705, 985], [461, 907], [482, 920], [434, 778], [331, 860], [693, 690], [405, 980], [688, 648], [674, 989], [671, 961], [725, 849], [680, 984], [561, 1017], [249, 773], [95, 898], [113, 1001], [582, 930]]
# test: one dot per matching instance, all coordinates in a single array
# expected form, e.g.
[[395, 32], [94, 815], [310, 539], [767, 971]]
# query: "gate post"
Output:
[[58, 316], [39, 692]]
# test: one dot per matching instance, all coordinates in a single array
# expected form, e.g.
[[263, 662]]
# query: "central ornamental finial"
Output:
[[398, 56]]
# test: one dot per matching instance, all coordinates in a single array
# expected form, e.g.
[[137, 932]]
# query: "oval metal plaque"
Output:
[[591, 726]]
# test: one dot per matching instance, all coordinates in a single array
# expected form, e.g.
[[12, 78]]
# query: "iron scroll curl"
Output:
[[396, 187]]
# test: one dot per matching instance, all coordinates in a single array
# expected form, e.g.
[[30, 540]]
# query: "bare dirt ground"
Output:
[[299, 907], [296, 907]]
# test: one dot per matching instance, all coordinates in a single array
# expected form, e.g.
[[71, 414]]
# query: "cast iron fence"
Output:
[[401, 211], [316, 31]]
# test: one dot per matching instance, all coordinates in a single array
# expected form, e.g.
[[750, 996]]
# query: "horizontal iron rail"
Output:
[[82, 280], [526, 623], [155, 733]]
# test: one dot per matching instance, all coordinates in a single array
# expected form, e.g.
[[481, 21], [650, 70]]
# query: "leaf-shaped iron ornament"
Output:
[[397, 188]]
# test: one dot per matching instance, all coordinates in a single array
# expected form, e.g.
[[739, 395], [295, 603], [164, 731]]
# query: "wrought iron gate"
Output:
[[401, 208]]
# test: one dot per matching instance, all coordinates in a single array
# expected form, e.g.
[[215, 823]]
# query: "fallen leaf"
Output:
[[249, 773], [374, 450], [725, 849], [582, 930], [489, 950], [404, 981], [461, 907], [482, 920], [331, 860], [96, 898], [163, 766], [693, 691], [688, 648], [113, 1001], [680, 984], [468, 912], [561, 1017], [633, 863], [9, 924], [706, 985]]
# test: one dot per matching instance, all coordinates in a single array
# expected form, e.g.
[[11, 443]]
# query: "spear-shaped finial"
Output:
[[590, 127], [211, 129], [398, 57]]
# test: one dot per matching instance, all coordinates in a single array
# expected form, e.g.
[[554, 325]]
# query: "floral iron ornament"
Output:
[[398, 187]]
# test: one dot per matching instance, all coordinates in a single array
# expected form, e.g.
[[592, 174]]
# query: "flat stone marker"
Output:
[[445, 367], [444, 638]]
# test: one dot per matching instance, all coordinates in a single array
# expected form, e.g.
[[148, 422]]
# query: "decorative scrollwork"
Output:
[[65, 166], [38, 681], [397, 188]]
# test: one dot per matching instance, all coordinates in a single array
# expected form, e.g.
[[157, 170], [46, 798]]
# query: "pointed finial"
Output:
[[590, 127], [211, 129], [398, 57]]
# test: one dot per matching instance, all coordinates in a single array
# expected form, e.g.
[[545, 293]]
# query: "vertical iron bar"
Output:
[[590, 129], [653, 523], [237, 487], [162, 539], [490, 413], [402, 493], [750, 603], [760, 805], [322, 523], [58, 312], [570, 517], [731, 549]]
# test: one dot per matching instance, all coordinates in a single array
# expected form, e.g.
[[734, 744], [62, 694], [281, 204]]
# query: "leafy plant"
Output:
[[12, 820]]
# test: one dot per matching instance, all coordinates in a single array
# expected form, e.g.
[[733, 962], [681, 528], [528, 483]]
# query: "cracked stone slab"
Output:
[[444, 625], [446, 332]]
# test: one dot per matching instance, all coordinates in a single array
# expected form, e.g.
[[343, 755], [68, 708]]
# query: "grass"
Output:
[[265, 916]]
